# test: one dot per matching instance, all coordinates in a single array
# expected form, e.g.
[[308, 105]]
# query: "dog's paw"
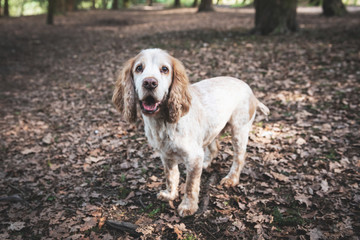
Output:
[[187, 208], [166, 196], [206, 165], [229, 182]]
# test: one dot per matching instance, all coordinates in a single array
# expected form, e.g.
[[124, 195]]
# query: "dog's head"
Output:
[[157, 82]]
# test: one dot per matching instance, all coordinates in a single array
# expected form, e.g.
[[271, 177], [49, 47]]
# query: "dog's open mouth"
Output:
[[149, 105]]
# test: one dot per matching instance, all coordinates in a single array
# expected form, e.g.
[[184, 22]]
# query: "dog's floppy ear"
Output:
[[179, 101], [124, 94]]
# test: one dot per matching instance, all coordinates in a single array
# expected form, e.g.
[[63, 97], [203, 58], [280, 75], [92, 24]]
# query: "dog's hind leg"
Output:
[[211, 152], [240, 136]]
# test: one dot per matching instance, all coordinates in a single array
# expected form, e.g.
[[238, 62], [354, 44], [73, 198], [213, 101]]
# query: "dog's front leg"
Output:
[[189, 204], [172, 180]]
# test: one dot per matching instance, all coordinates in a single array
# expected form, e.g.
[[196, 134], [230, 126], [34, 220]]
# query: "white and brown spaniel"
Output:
[[182, 121]]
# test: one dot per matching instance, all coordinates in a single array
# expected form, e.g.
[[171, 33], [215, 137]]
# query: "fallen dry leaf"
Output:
[[16, 226], [302, 198], [300, 141], [280, 177], [89, 222], [47, 138], [178, 232], [324, 186], [101, 222], [35, 149], [315, 234]]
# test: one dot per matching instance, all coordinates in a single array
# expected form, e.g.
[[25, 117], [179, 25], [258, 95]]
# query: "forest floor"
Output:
[[69, 165]]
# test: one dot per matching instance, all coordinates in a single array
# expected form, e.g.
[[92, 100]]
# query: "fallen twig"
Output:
[[17, 189], [124, 226], [141, 202], [204, 228], [12, 198]]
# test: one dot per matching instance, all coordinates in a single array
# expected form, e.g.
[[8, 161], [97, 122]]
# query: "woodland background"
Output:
[[70, 168]]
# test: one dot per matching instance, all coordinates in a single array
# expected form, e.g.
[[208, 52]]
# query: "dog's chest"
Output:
[[162, 137]]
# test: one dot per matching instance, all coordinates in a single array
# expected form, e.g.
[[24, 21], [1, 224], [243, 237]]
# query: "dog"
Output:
[[182, 120]]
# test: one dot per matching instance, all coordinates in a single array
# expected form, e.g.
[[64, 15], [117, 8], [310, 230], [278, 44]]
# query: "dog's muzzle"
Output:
[[149, 105]]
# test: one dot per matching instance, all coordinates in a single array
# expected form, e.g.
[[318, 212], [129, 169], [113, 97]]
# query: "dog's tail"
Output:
[[264, 109]]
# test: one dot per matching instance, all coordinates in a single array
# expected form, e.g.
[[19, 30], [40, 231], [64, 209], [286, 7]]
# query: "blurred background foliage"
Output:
[[34, 7]]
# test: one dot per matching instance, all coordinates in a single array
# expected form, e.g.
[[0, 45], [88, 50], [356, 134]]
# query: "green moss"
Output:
[[332, 155], [123, 178], [190, 237], [123, 192], [106, 167], [51, 198], [292, 218], [154, 212]]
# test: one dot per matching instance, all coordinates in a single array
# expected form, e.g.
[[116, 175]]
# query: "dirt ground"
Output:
[[71, 169]]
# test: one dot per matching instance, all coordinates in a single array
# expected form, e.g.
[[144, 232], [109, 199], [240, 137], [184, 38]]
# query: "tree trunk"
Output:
[[0, 9], [22, 8], [150, 2], [50, 13], [93, 4], [177, 3], [6, 8], [195, 3], [275, 16], [114, 5], [333, 8], [206, 6], [76, 5]]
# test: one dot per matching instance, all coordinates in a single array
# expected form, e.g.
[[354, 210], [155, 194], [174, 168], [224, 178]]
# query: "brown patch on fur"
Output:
[[179, 101], [167, 176], [252, 106], [193, 181], [124, 97]]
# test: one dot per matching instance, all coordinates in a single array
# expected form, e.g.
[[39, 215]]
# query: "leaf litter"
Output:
[[74, 166]]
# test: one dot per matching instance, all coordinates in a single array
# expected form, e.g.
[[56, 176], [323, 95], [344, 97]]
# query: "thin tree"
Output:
[[0, 9], [22, 8], [114, 5], [275, 16], [177, 4], [104, 4], [195, 3], [333, 8], [50, 12], [206, 6], [6, 8]]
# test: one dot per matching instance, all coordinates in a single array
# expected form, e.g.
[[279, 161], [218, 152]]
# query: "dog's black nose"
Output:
[[150, 83]]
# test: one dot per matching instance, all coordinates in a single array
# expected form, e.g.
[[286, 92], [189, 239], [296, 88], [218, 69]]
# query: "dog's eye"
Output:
[[164, 70], [139, 68]]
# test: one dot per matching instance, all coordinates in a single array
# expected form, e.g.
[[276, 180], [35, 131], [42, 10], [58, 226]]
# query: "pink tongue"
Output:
[[150, 107]]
